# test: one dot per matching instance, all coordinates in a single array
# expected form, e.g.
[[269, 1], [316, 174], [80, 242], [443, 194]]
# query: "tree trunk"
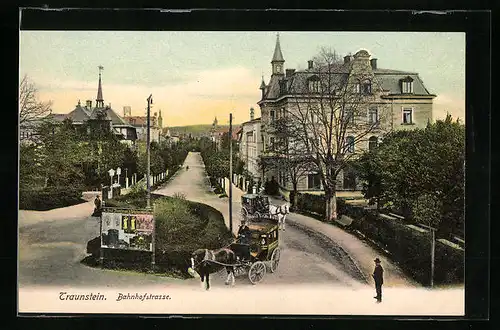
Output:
[[331, 205], [295, 197]]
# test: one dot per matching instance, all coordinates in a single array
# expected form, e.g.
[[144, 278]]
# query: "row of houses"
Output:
[[129, 129], [400, 95]]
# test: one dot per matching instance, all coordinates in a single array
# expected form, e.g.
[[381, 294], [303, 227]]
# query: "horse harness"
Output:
[[279, 210]]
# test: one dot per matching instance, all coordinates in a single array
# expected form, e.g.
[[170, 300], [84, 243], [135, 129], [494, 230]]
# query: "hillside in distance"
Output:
[[194, 130]]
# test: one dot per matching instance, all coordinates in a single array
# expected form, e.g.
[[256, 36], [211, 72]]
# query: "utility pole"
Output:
[[231, 172], [433, 249], [150, 101]]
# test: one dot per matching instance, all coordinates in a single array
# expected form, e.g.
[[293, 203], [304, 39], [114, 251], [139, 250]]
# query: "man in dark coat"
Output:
[[378, 276], [97, 209], [244, 233]]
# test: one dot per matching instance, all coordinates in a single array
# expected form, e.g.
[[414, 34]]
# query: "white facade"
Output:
[[251, 146]]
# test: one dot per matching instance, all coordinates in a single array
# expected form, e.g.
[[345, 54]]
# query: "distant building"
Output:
[[140, 124], [82, 114]]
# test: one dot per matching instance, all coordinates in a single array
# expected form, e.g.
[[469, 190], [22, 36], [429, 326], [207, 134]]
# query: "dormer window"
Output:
[[367, 87], [407, 85], [313, 84]]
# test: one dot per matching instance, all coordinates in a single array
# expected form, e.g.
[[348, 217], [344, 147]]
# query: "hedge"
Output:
[[408, 247], [49, 198], [311, 203]]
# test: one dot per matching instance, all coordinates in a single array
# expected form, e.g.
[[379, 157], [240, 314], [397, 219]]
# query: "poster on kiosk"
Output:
[[127, 230]]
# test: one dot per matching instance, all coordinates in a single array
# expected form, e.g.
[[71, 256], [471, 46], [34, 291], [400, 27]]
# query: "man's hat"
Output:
[[377, 260]]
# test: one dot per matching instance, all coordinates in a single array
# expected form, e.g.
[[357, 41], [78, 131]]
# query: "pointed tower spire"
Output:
[[278, 60], [278, 56], [262, 84], [99, 99], [160, 120]]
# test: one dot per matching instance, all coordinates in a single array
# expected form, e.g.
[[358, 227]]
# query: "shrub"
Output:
[[408, 247], [310, 203], [272, 188], [182, 227], [49, 198]]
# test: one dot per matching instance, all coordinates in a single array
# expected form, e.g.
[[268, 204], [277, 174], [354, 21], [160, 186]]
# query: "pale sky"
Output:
[[195, 76]]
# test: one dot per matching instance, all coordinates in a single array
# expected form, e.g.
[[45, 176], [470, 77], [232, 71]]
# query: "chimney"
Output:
[[310, 64], [289, 72], [88, 104], [347, 59], [373, 62], [251, 114]]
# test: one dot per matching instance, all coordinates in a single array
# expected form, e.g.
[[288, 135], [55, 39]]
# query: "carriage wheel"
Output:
[[275, 259], [256, 216], [257, 272]]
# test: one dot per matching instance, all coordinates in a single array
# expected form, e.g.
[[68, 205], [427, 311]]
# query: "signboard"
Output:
[[127, 229]]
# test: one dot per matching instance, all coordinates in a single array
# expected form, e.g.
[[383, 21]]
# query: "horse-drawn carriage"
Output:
[[255, 249], [254, 207]]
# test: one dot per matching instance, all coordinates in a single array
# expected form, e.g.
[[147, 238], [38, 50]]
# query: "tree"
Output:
[[288, 158], [427, 209], [422, 162], [327, 117], [31, 110], [61, 155], [156, 162]]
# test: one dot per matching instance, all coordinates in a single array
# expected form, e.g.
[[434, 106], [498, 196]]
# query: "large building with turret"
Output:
[[83, 113], [392, 100]]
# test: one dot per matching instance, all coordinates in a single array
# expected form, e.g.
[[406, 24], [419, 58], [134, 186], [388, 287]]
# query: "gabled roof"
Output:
[[81, 114], [57, 116], [388, 79]]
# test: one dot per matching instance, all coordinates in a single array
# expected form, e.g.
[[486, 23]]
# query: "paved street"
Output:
[[315, 276], [51, 248], [304, 259]]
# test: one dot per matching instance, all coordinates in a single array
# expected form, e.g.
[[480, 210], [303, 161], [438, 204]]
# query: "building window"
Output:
[[367, 87], [372, 143], [314, 85], [350, 144], [407, 116], [272, 114], [349, 116], [271, 142], [373, 116], [357, 88], [313, 181], [407, 85]]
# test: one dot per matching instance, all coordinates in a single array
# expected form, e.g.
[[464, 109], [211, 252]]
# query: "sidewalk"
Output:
[[83, 210], [359, 251]]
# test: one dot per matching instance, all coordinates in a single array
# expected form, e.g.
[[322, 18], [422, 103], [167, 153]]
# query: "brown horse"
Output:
[[206, 262]]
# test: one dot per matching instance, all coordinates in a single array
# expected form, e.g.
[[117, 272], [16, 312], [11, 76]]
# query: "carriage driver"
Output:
[[244, 233]]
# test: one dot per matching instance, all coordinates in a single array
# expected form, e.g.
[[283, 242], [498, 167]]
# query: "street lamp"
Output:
[[111, 174], [118, 172]]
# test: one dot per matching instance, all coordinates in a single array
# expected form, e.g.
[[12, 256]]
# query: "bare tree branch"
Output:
[[30, 108]]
